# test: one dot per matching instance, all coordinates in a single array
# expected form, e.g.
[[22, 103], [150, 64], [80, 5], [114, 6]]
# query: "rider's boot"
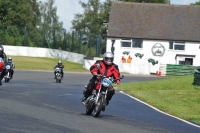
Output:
[[104, 108], [85, 96]]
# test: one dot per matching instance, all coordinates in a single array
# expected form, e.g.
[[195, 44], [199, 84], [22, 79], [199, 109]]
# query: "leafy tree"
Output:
[[18, 12], [50, 25], [14, 17], [90, 23], [197, 3]]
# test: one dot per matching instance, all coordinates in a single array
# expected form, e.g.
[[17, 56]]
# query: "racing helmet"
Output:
[[1, 50], [59, 62], [9, 59], [108, 58]]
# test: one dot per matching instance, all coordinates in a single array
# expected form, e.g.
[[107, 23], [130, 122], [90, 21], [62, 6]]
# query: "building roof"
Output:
[[154, 21]]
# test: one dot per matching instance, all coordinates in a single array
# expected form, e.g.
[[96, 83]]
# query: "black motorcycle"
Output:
[[97, 101], [58, 75]]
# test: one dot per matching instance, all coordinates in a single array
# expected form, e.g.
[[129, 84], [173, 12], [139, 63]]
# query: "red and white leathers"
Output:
[[99, 67]]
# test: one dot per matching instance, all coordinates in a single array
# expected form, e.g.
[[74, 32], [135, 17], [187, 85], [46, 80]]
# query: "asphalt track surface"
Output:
[[32, 102]]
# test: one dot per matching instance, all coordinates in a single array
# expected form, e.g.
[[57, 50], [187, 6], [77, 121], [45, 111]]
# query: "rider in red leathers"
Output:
[[3, 64], [104, 67]]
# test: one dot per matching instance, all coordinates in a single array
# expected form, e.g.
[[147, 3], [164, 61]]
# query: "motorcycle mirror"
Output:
[[121, 76]]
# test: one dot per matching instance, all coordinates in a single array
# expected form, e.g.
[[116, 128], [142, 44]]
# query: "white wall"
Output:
[[142, 66], [137, 66], [44, 52]]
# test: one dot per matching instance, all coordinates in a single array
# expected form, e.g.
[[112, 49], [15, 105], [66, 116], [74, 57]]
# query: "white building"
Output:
[[161, 33]]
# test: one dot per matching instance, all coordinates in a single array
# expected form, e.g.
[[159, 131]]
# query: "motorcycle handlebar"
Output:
[[113, 80]]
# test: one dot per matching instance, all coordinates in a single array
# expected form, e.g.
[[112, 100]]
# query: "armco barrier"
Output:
[[197, 77], [176, 70], [180, 70]]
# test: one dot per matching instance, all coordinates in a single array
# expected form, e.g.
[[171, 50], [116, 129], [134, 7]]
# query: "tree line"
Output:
[[36, 24]]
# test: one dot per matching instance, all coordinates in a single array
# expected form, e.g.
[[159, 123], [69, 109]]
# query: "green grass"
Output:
[[174, 95], [36, 63]]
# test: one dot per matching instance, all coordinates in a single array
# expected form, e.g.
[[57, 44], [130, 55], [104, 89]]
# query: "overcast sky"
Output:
[[67, 8]]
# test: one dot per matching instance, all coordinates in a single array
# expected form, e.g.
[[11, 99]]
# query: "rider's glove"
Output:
[[118, 82]]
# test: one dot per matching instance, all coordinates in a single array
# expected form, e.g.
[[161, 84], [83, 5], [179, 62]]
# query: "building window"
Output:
[[179, 47], [137, 43], [134, 43], [125, 43], [176, 45]]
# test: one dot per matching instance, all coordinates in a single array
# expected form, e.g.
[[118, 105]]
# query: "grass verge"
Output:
[[175, 95], [35, 63]]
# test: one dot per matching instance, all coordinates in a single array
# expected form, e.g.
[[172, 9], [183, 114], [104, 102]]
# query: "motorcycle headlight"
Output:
[[7, 66]]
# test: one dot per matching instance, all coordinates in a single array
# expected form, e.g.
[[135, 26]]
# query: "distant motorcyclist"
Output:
[[60, 65], [104, 67], [12, 66], [4, 57]]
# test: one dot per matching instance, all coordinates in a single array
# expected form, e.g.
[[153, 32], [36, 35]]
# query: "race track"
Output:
[[32, 102]]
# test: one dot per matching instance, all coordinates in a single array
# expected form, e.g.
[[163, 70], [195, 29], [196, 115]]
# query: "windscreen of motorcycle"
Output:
[[106, 82], [58, 69]]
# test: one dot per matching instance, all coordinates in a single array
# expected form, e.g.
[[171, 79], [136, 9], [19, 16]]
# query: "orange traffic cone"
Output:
[[156, 73], [159, 73]]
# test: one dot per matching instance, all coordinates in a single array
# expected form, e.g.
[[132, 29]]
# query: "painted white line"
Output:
[[64, 95], [160, 110]]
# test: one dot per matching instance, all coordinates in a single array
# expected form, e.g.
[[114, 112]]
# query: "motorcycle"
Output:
[[7, 76], [97, 101], [58, 75]]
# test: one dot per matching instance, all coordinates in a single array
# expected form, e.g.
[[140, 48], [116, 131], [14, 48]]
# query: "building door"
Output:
[[188, 61]]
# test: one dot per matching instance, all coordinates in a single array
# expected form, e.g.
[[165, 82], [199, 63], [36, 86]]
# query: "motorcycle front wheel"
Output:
[[89, 111], [99, 105]]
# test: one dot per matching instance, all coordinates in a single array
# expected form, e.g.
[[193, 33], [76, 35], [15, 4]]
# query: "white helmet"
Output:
[[10, 59], [59, 62], [108, 58]]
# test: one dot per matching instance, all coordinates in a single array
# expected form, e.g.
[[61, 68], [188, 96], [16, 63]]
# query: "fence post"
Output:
[[72, 47], [25, 36], [64, 41], [80, 37], [54, 38], [98, 47]]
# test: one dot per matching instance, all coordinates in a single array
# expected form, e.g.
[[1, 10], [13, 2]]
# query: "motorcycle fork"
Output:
[[98, 95], [105, 95], [8, 74]]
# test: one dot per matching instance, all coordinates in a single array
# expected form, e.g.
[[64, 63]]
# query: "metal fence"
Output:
[[72, 41]]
